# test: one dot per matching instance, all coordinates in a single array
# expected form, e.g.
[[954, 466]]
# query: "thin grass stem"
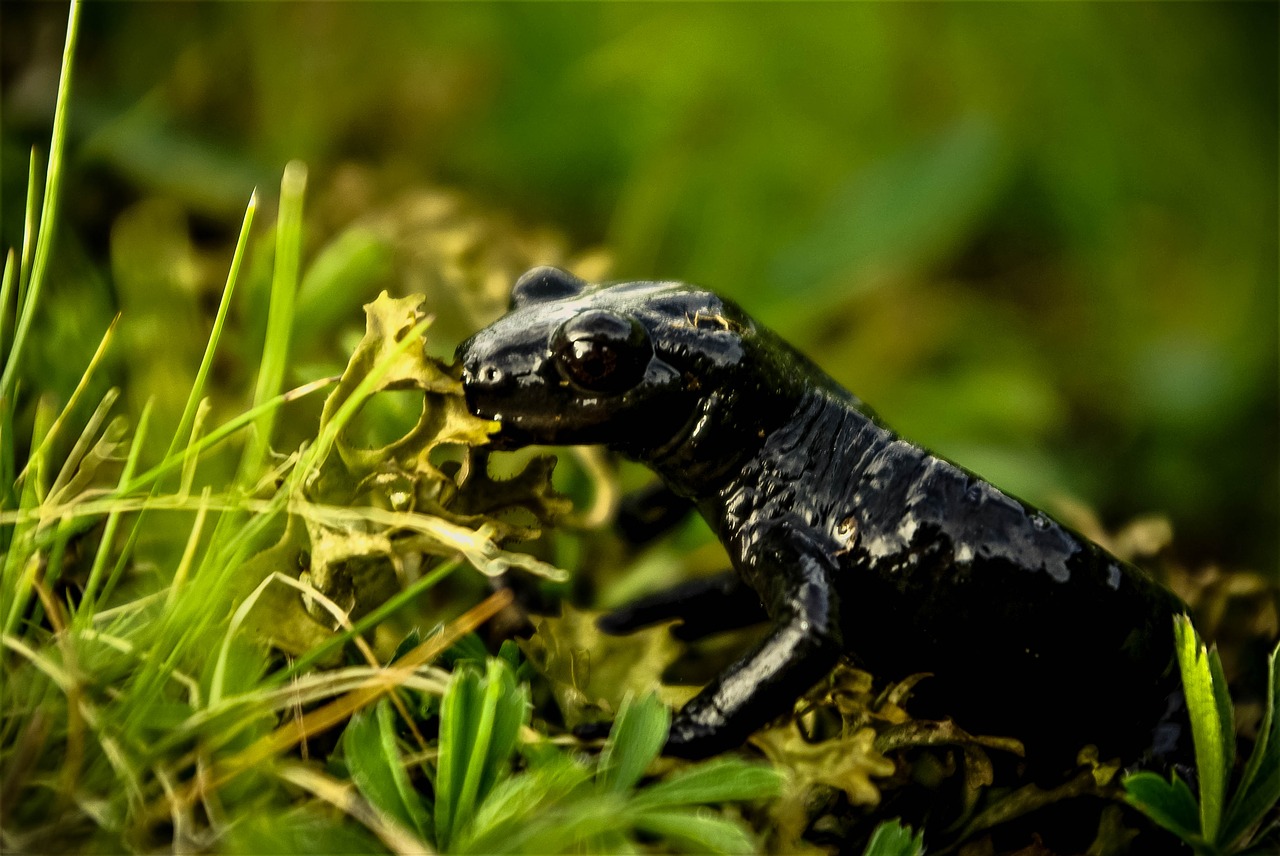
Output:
[[224, 431], [113, 517], [189, 552], [22, 560], [323, 718], [367, 621], [190, 460], [94, 439], [78, 393]]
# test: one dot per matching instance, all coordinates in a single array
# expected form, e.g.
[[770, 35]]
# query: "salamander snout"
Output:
[[486, 379]]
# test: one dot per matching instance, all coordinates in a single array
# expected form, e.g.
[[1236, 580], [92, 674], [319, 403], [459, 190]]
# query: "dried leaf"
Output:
[[370, 514], [845, 763], [591, 672]]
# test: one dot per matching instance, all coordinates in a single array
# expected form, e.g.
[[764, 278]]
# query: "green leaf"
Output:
[[456, 737], [902, 212], [1248, 808], [1211, 722], [515, 808], [715, 781], [1168, 803], [346, 267], [468, 648], [369, 746], [891, 838], [636, 739], [305, 829], [1226, 715], [511, 713], [694, 831], [558, 823], [1256, 795], [480, 724]]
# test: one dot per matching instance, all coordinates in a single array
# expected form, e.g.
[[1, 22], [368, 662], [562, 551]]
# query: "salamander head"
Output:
[[624, 365]]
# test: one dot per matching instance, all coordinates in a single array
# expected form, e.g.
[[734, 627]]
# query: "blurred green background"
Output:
[[1038, 238]]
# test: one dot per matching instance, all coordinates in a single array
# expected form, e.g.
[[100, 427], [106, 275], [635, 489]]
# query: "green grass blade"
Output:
[[598, 824], [284, 288], [635, 741], [222, 432], [1226, 714], [457, 733], [1210, 730], [1267, 747], [122, 561], [1250, 807], [215, 335], [190, 460], [188, 553], [48, 211], [8, 451]]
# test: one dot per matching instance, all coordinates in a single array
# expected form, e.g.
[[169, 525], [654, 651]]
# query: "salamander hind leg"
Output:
[[704, 606]]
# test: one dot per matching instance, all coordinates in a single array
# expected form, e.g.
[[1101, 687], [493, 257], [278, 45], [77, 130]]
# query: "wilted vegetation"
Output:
[[239, 600]]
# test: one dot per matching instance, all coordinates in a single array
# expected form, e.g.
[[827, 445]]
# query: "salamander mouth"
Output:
[[514, 430]]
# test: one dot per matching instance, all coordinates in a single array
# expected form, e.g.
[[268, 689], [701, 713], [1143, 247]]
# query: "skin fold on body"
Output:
[[845, 538]]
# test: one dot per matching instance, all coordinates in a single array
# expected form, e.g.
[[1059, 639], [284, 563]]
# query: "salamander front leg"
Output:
[[803, 646]]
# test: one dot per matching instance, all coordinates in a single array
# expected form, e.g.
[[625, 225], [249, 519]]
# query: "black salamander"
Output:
[[845, 537]]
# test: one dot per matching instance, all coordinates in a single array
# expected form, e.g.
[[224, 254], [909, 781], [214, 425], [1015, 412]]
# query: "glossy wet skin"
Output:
[[846, 538]]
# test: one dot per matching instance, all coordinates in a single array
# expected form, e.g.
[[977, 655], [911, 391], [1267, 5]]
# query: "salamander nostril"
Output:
[[473, 374]]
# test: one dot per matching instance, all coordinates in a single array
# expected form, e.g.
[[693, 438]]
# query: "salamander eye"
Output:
[[599, 351]]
